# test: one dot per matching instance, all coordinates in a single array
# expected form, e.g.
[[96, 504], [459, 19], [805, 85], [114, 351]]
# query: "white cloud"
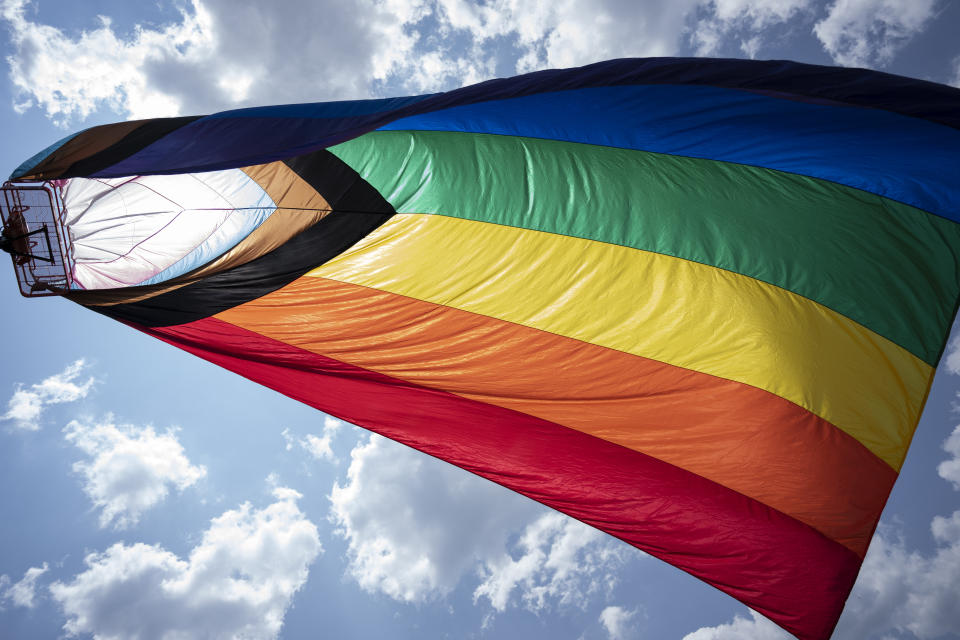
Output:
[[217, 54], [758, 13], [23, 593], [288, 439], [955, 81], [560, 560], [71, 77], [416, 527], [949, 470], [868, 33], [236, 583], [904, 590], [220, 54], [620, 623], [755, 628], [563, 33], [743, 20], [320, 446], [952, 358], [751, 46], [946, 530], [130, 468], [28, 403]]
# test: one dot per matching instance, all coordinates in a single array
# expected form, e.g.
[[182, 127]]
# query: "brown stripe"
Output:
[[83, 145], [744, 438], [299, 207], [288, 190]]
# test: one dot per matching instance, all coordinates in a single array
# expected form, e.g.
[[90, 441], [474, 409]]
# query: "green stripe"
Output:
[[888, 266]]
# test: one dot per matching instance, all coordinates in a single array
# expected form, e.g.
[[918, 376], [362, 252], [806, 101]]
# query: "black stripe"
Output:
[[358, 209], [856, 87], [139, 138]]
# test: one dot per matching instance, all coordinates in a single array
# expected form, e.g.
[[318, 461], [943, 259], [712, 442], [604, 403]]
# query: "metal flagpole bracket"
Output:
[[34, 235]]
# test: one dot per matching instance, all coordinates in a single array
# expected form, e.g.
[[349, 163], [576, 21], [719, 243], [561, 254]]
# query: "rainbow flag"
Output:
[[696, 304]]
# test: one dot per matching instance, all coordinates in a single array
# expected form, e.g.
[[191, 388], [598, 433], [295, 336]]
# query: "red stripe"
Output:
[[774, 564]]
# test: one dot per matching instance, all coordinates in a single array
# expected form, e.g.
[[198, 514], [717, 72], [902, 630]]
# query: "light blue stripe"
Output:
[[27, 165]]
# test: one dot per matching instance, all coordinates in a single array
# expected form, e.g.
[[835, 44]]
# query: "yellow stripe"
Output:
[[655, 306]]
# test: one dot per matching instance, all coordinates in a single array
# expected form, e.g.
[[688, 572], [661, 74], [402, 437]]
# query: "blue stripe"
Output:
[[906, 159]]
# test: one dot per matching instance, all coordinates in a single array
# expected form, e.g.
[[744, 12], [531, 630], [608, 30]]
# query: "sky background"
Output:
[[145, 493]]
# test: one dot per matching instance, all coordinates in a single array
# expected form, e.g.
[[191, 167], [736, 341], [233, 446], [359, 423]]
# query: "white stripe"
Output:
[[146, 229]]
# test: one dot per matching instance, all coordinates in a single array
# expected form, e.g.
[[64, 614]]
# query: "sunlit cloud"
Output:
[[319, 447], [745, 22], [24, 592], [26, 406], [202, 61], [129, 469], [238, 582], [620, 623], [869, 33], [949, 470]]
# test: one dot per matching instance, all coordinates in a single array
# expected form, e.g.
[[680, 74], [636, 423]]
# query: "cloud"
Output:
[[619, 623], [221, 54], [505, 37], [237, 582], [755, 628], [868, 33], [416, 527], [758, 13], [742, 21], [288, 439], [955, 81], [23, 593], [70, 78], [565, 33], [317, 446], [308, 50], [952, 358], [905, 590], [946, 530], [130, 468], [557, 559], [27, 404], [206, 60], [949, 470]]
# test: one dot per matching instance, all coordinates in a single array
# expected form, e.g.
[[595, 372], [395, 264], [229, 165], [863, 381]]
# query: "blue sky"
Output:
[[149, 494]]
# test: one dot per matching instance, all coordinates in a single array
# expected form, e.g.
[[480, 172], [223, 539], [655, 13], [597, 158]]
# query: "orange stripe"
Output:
[[744, 438]]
